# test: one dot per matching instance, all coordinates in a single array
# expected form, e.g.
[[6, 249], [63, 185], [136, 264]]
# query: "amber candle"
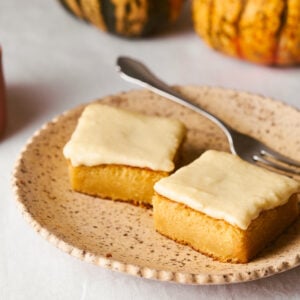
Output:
[[2, 97]]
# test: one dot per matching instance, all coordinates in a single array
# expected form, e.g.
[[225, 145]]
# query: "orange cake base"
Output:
[[116, 182], [217, 238]]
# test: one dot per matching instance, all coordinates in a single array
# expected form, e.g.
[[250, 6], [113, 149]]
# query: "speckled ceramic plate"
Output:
[[121, 236]]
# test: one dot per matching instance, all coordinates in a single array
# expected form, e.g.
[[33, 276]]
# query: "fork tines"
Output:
[[277, 161]]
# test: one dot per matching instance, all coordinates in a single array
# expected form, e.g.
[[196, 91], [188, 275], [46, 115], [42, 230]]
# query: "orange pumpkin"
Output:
[[261, 31]]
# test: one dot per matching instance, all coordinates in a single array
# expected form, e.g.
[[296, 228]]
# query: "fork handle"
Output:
[[136, 72]]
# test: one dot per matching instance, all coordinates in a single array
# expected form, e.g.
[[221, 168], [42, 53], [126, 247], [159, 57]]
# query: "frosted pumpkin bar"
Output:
[[224, 207], [120, 154]]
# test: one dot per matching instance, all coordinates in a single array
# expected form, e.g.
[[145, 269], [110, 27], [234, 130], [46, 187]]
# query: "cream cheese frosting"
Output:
[[223, 186], [109, 135]]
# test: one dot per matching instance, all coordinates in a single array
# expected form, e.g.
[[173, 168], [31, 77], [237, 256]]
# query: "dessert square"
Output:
[[119, 154], [224, 207]]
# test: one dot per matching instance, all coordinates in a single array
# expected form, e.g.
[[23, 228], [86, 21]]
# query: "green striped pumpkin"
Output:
[[130, 18]]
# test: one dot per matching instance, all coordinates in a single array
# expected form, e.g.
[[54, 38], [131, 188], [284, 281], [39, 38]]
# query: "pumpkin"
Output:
[[130, 18], [261, 31]]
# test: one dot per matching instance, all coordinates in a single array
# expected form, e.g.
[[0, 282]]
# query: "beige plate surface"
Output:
[[121, 236]]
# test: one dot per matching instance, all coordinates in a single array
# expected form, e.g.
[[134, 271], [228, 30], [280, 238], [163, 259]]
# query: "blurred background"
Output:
[[53, 58]]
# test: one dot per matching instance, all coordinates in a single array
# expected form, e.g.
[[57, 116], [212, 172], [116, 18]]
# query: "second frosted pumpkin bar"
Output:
[[224, 207]]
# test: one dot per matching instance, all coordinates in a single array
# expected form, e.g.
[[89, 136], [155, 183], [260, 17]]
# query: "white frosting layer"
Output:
[[108, 135], [223, 186]]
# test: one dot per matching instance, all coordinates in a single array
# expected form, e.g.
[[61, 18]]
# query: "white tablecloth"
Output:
[[54, 62]]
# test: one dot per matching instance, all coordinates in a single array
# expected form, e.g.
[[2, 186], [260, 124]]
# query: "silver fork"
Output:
[[240, 144]]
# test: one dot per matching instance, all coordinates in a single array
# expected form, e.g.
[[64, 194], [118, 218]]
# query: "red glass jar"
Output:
[[2, 97]]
